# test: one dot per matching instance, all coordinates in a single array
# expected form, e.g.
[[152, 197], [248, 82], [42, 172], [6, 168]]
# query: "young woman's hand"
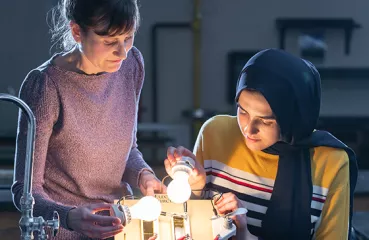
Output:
[[229, 203], [198, 178]]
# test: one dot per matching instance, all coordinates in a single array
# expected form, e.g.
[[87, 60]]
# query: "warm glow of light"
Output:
[[179, 190], [147, 208]]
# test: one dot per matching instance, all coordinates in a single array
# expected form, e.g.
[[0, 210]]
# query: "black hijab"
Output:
[[292, 88]]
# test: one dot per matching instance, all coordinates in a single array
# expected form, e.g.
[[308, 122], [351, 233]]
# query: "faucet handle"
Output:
[[53, 224]]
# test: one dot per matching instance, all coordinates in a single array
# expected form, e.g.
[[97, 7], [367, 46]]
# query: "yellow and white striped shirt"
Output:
[[232, 167]]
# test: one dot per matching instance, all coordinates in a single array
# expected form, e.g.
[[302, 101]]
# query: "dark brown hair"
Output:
[[104, 17]]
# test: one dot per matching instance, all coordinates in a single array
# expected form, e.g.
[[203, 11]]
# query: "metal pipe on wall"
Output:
[[196, 26]]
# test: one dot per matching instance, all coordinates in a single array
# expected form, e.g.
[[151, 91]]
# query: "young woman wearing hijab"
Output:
[[295, 181]]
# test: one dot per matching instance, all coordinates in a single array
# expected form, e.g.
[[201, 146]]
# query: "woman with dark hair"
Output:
[[295, 181], [85, 100]]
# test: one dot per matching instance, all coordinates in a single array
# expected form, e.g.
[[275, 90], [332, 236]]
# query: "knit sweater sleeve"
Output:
[[136, 164], [39, 92]]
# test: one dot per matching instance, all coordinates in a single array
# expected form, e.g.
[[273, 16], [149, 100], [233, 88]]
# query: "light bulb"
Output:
[[179, 190], [147, 208]]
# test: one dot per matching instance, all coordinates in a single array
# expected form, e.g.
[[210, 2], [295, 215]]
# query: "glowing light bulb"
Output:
[[147, 208], [179, 190]]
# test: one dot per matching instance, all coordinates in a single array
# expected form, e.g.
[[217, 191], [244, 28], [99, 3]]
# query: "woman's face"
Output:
[[102, 53], [257, 121]]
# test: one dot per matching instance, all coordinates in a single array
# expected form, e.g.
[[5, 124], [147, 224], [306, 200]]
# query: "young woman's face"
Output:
[[102, 53], [257, 121]]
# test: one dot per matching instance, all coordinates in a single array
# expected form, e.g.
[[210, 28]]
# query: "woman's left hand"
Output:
[[229, 203], [149, 184]]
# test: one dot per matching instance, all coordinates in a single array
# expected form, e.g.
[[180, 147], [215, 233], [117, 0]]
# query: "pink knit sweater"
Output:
[[85, 149]]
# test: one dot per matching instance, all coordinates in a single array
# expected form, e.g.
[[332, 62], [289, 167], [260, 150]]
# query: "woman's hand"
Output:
[[84, 220], [149, 184], [229, 203], [197, 179], [153, 237]]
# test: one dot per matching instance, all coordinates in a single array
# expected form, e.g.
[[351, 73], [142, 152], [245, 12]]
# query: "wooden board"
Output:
[[199, 212]]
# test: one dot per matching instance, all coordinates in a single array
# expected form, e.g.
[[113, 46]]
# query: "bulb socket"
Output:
[[184, 165], [122, 212], [127, 215], [228, 223]]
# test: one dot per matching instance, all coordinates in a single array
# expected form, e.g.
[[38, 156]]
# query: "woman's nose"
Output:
[[121, 51], [250, 128]]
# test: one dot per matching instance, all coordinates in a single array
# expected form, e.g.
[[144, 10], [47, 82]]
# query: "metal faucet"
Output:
[[29, 224]]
